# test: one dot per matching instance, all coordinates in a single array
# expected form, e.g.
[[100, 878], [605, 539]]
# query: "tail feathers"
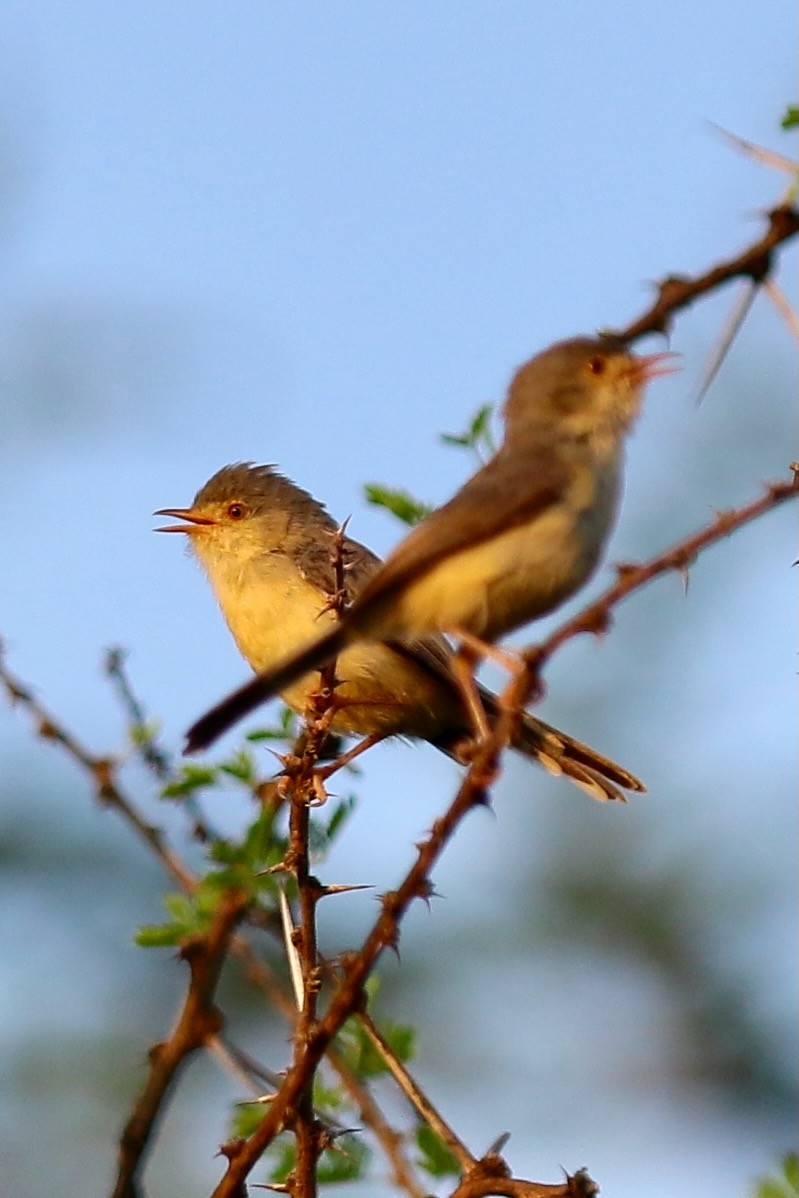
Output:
[[560, 754], [264, 686]]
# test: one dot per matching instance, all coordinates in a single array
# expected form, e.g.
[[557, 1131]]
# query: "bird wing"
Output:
[[314, 560], [509, 490]]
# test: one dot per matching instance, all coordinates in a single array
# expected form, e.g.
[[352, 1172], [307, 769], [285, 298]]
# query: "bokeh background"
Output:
[[320, 235]]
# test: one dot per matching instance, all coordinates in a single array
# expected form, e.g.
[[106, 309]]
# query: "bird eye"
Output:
[[597, 364], [236, 511]]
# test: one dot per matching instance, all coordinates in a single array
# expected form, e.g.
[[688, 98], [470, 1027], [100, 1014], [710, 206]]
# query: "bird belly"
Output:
[[497, 585], [382, 691]]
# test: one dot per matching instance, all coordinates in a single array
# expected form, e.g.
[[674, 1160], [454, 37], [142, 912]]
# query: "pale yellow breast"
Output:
[[272, 610]]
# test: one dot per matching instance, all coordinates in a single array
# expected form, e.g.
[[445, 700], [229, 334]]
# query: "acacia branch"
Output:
[[349, 997], [491, 1176], [102, 771], [390, 1140], [679, 291], [304, 788], [198, 1022], [151, 753], [421, 1104], [290, 1107]]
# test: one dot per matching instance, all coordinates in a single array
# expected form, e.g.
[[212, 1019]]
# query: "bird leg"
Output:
[[479, 648], [512, 662], [462, 665]]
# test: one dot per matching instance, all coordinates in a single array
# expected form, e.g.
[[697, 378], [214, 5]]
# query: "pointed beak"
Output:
[[655, 366], [194, 522]]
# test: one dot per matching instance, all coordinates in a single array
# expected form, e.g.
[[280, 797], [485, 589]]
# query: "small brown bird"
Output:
[[267, 546], [518, 539]]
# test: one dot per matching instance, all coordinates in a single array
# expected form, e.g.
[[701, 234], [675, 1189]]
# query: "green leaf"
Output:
[[262, 846], [436, 1159], [227, 852], [782, 1184], [341, 813], [163, 935], [790, 1170], [183, 923], [769, 1188], [144, 734], [477, 436], [400, 503], [191, 778], [346, 1161], [480, 424], [247, 1118], [240, 766], [179, 907], [326, 1097], [402, 1038], [262, 734], [361, 1055], [790, 118], [286, 1158]]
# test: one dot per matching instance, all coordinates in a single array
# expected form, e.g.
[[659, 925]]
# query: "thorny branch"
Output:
[[472, 792], [291, 1107], [198, 1022], [303, 789], [102, 770], [151, 753], [356, 968], [416, 1097], [680, 291], [490, 1176]]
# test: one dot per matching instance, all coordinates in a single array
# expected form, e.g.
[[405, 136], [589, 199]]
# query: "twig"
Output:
[[304, 790], [679, 291], [102, 771], [156, 758], [243, 1155], [198, 1021], [390, 1140], [416, 1096], [151, 753], [242, 1067], [491, 1176], [781, 302]]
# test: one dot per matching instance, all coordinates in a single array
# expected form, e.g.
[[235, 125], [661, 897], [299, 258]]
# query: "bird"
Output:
[[518, 538], [267, 547]]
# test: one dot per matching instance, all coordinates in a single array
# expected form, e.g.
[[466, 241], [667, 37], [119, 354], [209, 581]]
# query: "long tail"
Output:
[[560, 753], [271, 682]]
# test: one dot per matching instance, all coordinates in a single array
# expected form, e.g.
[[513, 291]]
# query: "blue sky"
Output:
[[320, 235]]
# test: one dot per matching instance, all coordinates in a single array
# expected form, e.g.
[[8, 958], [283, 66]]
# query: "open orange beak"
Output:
[[655, 366], [194, 521]]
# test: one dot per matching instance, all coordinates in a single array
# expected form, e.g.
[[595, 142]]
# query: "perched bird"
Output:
[[267, 547], [516, 540]]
